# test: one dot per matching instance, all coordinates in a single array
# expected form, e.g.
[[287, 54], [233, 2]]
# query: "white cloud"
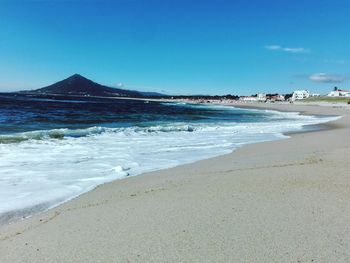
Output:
[[326, 78], [287, 49], [296, 50], [273, 47]]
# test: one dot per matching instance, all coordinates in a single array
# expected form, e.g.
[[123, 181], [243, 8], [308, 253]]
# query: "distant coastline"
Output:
[[80, 86]]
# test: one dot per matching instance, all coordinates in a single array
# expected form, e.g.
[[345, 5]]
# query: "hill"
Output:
[[79, 85]]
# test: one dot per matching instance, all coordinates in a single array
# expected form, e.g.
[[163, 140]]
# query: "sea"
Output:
[[53, 149]]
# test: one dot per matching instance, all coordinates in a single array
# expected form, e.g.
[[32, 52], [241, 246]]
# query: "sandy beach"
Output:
[[280, 201]]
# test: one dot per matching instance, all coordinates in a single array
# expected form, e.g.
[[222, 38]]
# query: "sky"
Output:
[[177, 47]]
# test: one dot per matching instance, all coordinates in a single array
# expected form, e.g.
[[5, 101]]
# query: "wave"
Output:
[[281, 122], [49, 134], [77, 133]]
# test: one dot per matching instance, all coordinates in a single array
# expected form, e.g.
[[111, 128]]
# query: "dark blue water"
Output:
[[23, 113]]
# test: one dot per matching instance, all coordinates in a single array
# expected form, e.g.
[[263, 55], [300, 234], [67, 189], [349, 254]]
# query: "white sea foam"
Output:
[[43, 171]]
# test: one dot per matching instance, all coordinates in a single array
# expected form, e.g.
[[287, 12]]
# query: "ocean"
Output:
[[54, 149]]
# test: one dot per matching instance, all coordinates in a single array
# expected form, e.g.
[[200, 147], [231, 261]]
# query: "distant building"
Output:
[[339, 93], [300, 95], [277, 97], [261, 97], [281, 98], [248, 98]]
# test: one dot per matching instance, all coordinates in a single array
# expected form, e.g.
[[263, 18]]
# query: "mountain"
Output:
[[79, 85]]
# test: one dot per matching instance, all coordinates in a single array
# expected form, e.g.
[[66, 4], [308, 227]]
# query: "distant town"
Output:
[[297, 95]]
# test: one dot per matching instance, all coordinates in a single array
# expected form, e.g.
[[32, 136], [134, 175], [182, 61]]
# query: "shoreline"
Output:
[[304, 111], [26, 213], [162, 189]]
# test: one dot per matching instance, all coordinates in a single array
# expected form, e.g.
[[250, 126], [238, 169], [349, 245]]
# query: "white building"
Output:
[[300, 95], [339, 93], [261, 97], [248, 98]]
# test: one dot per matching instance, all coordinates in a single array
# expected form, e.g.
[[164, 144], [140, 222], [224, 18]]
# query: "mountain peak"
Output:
[[79, 85], [77, 76]]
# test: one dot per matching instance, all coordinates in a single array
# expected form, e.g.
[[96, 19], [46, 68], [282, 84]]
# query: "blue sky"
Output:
[[177, 47]]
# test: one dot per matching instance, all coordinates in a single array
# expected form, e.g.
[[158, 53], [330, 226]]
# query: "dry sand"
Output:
[[281, 201]]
